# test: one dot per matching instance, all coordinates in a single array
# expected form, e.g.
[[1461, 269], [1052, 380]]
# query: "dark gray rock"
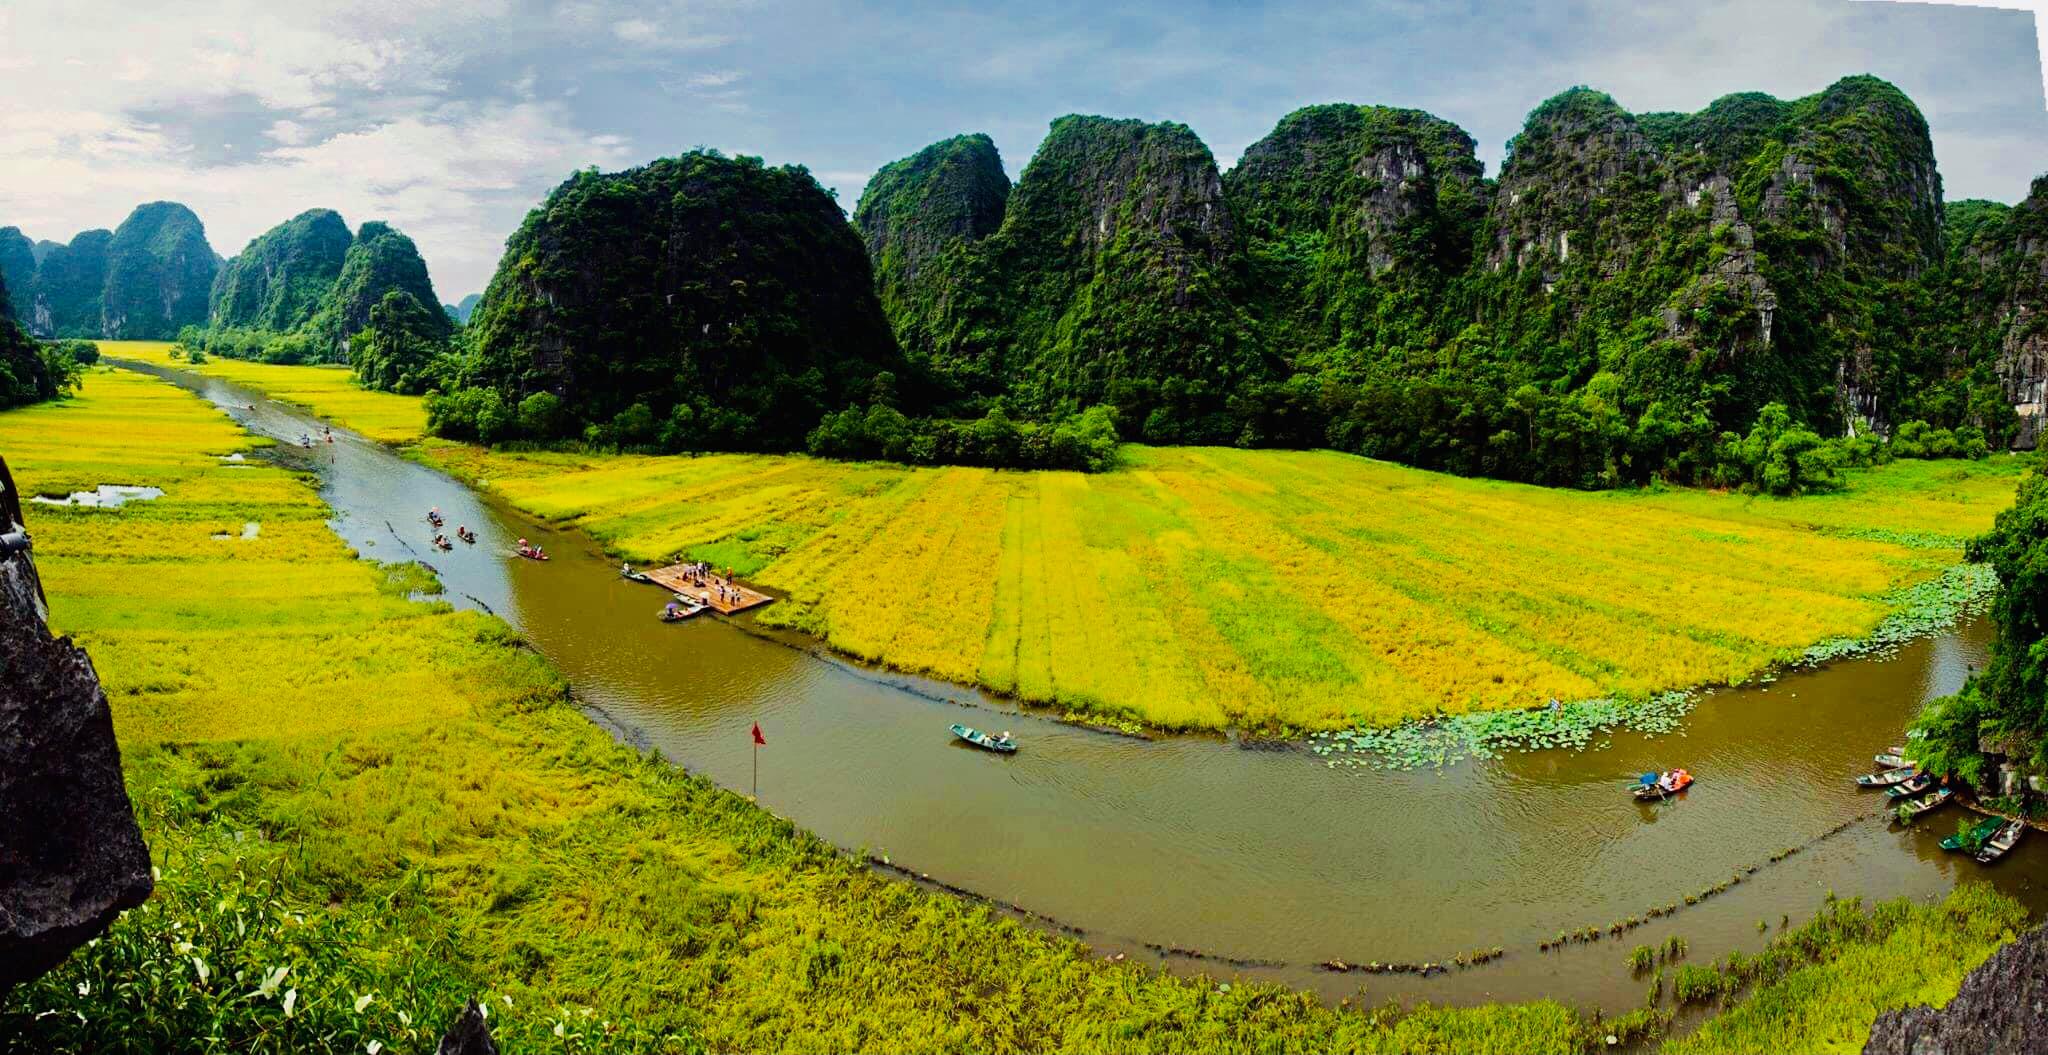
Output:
[[2001, 1009], [470, 1035], [71, 855]]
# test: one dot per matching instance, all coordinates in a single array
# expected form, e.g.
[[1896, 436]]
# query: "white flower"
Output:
[[507, 998], [183, 948], [374, 1047], [559, 1031], [156, 873], [405, 1020], [267, 988], [291, 997], [363, 1001], [84, 988], [200, 966]]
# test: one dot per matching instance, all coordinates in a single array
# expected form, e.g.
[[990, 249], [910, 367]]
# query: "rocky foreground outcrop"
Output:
[[71, 855], [2001, 1007]]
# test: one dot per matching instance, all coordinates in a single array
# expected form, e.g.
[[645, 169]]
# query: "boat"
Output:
[[441, 543], [683, 607], [999, 744], [2001, 843], [1912, 788], [1893, 760], [1653, 787], [1915, 809], [1886, 779], [627, 573], [530, 553], [466, 536], [1973, 839]]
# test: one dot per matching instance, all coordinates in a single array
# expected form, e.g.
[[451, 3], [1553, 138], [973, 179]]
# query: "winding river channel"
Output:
[[1263, 860]]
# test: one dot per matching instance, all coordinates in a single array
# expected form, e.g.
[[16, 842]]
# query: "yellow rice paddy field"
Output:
[[330, 391], [1199, 588], [1202, 588]]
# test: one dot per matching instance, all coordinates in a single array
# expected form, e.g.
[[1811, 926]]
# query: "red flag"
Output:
[[757, 735]]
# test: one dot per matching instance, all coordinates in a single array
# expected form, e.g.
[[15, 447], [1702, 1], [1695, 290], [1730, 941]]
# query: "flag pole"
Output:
[[757, 770]]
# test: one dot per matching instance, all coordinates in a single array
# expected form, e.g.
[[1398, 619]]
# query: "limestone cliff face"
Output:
[[1117, 264], [159, 275], [277, 282], [1356, 218], [65, 298], [380, 260], [1999, 265], [950, 193], [71, 855], [2002, 1006], [1764, 238]]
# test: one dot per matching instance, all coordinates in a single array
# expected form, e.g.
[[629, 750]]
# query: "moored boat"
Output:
[[1893, 760], [681, 608], [999, 744], [2002, 842], [1912, 788], [1911, 810], [1886, 779], [1972, 840]]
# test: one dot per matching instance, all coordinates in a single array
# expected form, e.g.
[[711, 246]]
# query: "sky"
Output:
[[450, 120]]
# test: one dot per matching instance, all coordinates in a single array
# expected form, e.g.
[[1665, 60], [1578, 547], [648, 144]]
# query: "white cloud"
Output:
[[290, 133], [716, 79], [636, 31]]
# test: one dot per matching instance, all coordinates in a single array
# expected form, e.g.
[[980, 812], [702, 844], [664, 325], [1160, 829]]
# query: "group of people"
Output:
[[440, 540]]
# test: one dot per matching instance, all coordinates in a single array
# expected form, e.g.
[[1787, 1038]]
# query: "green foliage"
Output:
[[728, 298], [280, 279], [68, 284], [1086, 441], [379, 261], [159, 273], [404, 348], [950, 192], [17, 274], [2009, 700]]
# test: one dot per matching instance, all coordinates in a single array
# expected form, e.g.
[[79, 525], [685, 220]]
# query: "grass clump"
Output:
[[1824, 983]]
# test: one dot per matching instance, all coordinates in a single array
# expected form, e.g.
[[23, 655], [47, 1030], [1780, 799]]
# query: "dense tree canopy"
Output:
[[699, 301], [282, 277]]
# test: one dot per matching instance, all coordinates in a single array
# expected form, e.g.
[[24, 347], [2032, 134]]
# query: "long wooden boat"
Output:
[[680, 609], [1912, 788], [1885, 779], [1893, 760], [2000, 844], [1915, 809], [630, 575], [1972, 840], [1001, 745]]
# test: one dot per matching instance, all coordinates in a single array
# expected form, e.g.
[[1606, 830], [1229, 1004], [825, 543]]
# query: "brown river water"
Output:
[[1263, 860]]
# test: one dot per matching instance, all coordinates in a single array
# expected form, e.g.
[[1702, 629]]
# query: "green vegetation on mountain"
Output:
[[403, 347], [159, 273], [30, 371], [913, 210], [462, 309], [381, 260], [280, 279], [699, 301], [18, 271], [68, 284]]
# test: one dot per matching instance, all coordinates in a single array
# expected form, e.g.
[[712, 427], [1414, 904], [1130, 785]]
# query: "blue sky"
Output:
[[452, 119]]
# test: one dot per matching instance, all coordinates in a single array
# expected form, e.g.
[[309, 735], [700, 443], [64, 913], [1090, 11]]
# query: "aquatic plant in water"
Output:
[[1449, 740]]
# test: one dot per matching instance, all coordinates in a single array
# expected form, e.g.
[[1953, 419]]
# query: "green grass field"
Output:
[[1200, 588], [392, 800]]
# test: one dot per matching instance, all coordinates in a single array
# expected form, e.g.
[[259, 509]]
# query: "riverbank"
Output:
[[426, 790]]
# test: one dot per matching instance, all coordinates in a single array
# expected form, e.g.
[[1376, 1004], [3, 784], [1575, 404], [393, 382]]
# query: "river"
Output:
[[1198, 843]]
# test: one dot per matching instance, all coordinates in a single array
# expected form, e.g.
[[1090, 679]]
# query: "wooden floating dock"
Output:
[[736, 598]]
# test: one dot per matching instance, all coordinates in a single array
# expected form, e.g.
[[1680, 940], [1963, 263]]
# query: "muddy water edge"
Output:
[[1199, 853]]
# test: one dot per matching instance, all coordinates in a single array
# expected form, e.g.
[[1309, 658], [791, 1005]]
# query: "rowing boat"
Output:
[[1885, 779], [999, 744], [1893, 760], [2002, 843], [1912, 788], [1972, 840], [1915, 809], [1657, 789]]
